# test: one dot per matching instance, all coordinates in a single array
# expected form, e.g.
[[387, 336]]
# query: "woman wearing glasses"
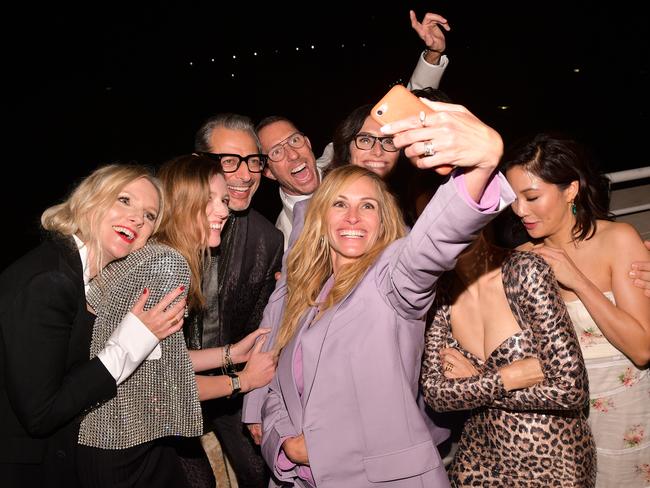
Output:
[[358, 141]]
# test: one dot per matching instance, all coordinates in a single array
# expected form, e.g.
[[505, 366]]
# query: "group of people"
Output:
[[156, 302]]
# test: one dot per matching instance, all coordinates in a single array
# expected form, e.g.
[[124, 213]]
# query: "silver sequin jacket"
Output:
[[160, 399]]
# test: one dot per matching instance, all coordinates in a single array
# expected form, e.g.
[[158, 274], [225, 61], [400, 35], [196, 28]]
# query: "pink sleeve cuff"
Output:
[[283, 463], [491, 195]]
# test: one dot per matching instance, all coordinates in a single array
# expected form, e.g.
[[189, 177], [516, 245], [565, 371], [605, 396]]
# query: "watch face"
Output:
[[236, 385]]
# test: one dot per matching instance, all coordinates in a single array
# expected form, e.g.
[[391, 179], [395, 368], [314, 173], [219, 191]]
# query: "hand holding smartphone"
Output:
[[399, 103]]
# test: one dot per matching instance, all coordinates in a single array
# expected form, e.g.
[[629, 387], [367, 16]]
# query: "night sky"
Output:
[[123, 82]]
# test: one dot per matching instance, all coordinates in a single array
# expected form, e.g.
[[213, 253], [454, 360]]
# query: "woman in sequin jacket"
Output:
[[46, 376], [127, 441]]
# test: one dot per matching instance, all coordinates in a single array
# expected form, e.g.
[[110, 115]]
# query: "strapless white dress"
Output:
[[619, 406]]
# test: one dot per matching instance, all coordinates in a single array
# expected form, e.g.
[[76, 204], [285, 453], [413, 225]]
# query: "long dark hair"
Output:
[[345, 133], [560, 160]]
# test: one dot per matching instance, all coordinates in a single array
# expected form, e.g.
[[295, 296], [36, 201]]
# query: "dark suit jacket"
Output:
[[46, 377], [247, 276]]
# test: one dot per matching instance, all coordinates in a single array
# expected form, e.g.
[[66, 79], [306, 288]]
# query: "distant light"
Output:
[[212, 60], [576, 70], [232, 75], [277, 52], [234, 56], [503, 107], [109, 88], [363, 45], [254, 54], [297, 49], [312, 46], [342, 45]]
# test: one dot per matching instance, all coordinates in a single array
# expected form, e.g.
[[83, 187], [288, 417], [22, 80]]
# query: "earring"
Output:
[[574, 209]]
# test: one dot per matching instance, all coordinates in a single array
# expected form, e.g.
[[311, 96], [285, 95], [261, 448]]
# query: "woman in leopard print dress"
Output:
[[502, 344]]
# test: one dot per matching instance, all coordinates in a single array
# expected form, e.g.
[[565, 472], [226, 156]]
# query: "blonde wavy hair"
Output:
[[185, 227], [309, 263], [81, 213]]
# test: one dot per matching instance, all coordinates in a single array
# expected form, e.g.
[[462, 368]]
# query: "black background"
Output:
[[106, 82]]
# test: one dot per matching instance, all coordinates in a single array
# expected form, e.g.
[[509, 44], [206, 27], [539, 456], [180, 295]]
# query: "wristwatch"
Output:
[[236, 385]]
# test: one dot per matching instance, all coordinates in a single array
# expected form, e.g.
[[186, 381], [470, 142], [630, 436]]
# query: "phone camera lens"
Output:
[[380, 112]]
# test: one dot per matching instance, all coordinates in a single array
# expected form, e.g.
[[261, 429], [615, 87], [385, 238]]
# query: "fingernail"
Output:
[[632, 274], [385, 128], [182, 287], [145, 291]]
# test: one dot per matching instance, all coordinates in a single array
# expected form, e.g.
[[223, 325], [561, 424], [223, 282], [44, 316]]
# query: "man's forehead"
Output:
[[222, 137]]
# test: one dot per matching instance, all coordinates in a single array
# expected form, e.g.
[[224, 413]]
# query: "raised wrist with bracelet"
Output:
[[228, 366]]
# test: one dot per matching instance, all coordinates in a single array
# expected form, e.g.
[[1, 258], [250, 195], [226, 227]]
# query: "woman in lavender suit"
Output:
[[342, 409]]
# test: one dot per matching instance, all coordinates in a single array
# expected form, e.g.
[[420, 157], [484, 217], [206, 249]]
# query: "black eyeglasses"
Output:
[[230, 162], [366, 142], [277, 152]]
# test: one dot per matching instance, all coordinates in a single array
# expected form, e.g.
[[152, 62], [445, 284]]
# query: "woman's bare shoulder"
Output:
[[618, 231]]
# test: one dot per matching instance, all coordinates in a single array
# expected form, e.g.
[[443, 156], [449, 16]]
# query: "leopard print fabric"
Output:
[[533, 437]]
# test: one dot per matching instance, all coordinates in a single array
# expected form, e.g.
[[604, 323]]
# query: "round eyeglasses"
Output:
[[366, 142], [230, 162], [277, 152]]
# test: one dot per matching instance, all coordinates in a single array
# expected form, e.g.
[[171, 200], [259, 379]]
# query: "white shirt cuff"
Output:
[[129, 344], [426, 74]]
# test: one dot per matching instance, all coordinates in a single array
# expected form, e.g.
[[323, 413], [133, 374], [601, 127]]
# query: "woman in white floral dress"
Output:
[[561, 202]]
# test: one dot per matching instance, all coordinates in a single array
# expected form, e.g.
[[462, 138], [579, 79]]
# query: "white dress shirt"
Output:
[[131, 342]]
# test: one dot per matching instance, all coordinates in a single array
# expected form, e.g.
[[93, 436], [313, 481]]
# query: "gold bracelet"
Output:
[[230, 367], [223, 360]]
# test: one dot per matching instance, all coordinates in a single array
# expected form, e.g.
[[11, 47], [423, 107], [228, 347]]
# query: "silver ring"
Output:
[[428, 149], [423, 117]]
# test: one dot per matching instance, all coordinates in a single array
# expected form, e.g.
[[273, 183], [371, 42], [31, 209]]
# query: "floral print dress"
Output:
[[620, 406]]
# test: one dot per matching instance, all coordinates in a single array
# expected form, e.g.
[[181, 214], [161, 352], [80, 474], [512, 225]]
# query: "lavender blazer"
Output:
[[361, 363]]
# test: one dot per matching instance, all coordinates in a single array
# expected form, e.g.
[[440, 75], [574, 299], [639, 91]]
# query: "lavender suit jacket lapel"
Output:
[[312, 346], [285, 371]]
